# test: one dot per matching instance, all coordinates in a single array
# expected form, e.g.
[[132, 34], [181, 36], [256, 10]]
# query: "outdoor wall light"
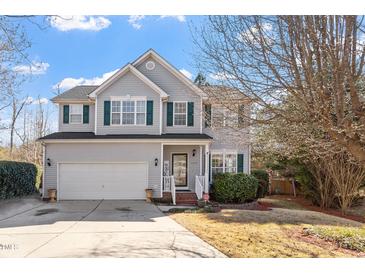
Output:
[[194, 151], [48, 162], [156, 161]]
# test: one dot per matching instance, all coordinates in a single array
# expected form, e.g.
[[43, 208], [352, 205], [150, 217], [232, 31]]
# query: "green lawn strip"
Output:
[[346, 237]]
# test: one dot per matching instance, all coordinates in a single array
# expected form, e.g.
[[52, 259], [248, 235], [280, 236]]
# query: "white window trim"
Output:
[[82, 114], [186, 114], [224, 153], [128, 98]]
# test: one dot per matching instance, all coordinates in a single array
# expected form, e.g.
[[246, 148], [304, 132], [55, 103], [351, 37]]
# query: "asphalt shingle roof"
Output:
[[76, 93], [91, 135]]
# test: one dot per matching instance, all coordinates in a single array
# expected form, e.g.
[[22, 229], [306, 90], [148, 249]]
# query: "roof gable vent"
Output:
[[150, 65]]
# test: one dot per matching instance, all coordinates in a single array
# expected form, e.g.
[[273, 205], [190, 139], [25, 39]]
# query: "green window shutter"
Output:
[[208, 115], [239, 162], [66, 114], [106, 113], [149, 121], [85, 116], [241, 116], [170, 114], [190, 114]]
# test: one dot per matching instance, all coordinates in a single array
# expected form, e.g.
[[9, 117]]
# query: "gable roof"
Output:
[[120, 73], [76, 93], [169, 67], [222, 93]]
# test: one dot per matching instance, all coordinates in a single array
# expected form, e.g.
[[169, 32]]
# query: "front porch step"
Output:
[[186, 198], [182, 198]]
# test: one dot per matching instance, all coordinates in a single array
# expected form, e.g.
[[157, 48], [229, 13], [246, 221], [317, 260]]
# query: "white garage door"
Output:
[[87, 181]]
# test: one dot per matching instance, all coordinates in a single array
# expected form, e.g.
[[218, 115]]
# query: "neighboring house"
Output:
[[142, 128]]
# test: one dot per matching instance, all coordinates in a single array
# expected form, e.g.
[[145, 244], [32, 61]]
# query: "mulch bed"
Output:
[[247, 206], [308, 205]]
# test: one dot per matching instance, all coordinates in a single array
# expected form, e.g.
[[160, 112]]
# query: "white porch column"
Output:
[[206, 170]]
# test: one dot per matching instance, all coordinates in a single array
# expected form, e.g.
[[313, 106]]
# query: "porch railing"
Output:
[[169, 186], [199, 186]]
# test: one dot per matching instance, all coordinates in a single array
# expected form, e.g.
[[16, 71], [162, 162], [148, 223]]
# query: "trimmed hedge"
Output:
[[263, 178], [234, 188], [18, 179]]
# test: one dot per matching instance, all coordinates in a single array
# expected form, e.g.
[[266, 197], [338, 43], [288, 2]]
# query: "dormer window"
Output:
[[76, 113]]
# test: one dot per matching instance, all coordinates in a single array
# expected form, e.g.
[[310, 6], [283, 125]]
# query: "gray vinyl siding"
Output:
[[76, 127], [104, 152], [177, 91], [193, 161], [131, 85]]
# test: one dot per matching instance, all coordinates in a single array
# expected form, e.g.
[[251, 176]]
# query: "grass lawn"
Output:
[[279, 232]]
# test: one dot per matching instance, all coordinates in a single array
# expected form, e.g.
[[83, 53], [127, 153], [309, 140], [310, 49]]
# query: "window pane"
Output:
[[115, 106], [217, 160], [128, 106], [141, 117], [76, 109], [231, 170], [75, 118], [216, 170], [115, 118], [128, 119], [141, 106], [218, 117], [180, 119], [180, 108], [230, 160]]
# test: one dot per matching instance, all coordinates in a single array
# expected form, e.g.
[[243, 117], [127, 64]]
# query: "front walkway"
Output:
[[94, 229]]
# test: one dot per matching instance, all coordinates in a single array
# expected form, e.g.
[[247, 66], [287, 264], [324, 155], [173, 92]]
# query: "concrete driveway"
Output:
[[31, 228]]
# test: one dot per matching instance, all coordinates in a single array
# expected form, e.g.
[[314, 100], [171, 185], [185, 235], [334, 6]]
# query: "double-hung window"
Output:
[[180, 113], [76, 113], [116, 112], [140, 112], [224, 163], [128, 112], [224, 117], [217, 163]]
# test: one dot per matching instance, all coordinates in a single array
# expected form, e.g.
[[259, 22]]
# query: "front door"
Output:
[[180, 169]]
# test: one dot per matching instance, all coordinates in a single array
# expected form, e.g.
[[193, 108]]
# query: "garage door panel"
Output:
[[102, 181]]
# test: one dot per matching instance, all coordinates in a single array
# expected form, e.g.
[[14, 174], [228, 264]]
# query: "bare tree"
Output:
[[16, 108], [314, 62]]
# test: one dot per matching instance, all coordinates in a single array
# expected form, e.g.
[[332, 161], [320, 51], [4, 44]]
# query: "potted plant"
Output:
[[52, 194], [149, 193]]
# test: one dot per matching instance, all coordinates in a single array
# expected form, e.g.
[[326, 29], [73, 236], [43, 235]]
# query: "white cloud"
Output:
[[35, 68], [31, 101], [220, 76], [180, 18], [40, 101], [79, 22], [249, 34], [135, 21], [70, 82], [186, 73]]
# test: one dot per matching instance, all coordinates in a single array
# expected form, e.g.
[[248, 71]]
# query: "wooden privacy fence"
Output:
[[282, 186]]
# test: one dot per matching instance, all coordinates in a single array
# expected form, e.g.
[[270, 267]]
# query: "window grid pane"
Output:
[[75, 118]]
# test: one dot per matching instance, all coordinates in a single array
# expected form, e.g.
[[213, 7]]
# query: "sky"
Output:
[[76, 50]]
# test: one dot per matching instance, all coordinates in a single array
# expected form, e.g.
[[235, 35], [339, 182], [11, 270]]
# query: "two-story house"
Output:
[[147, 126]]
